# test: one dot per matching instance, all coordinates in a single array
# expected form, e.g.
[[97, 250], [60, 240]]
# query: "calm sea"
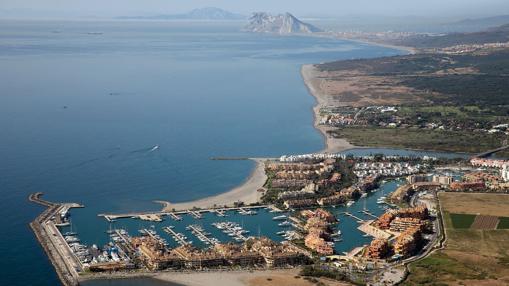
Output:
[[82, 104]]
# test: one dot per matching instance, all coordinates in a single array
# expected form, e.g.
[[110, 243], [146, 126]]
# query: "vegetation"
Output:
[[435, 268], [460, 221], [317, 271], [494, 35], [503, 223], [452, 141]]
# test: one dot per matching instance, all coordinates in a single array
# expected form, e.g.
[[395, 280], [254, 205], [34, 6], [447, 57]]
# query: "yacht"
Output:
[[284, 223], [350, 203], [280, 217]]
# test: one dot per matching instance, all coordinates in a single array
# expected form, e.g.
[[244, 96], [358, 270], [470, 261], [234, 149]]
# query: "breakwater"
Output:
[[65, 263]]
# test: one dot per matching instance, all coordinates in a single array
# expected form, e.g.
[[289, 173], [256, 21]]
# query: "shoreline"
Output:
[[246, 192], [332, 145], [279, 277]]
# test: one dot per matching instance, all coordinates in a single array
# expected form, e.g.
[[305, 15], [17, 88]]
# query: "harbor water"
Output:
[[115, 115]]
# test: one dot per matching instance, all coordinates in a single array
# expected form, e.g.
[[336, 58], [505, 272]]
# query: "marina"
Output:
[[269, 221]]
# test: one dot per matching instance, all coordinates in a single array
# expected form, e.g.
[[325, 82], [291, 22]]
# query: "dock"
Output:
[[358, 219], [201, 235], [196, 214], [177, 214], [65, 262], [178, 237], [175, 217], [366, 212], [220, 212]]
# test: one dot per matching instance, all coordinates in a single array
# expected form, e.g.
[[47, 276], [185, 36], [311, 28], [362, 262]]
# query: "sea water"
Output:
[[83, 104]]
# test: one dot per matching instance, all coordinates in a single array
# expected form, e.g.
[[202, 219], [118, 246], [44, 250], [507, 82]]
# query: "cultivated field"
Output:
[[485, 204], [471, 256]]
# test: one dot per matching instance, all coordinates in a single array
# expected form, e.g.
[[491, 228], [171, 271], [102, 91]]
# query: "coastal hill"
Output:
[[282, 24], [498, 34], [207, 13]]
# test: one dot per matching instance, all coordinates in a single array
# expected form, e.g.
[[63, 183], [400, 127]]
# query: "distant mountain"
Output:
[[481, 23], [279, 24], [208, 13]]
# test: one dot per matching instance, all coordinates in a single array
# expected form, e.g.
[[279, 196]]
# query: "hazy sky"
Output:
[[105, 8]]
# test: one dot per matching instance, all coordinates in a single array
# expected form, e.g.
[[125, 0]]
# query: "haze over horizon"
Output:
[[321, 8]]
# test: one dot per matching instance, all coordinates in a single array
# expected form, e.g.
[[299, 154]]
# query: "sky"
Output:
[[303, 8]]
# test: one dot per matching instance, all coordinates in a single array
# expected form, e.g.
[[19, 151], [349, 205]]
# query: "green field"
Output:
[[462, 221], [503, 223]]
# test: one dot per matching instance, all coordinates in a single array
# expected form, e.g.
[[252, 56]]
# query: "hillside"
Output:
[[279, 24], [493, 35]]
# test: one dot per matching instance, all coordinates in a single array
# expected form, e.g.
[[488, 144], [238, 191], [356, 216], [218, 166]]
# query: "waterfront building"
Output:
[[505, 173], [300, 203], [276, 254], [407, 243], [235, 254], [281, 183], [468, 186], [306, 192], [416, 178], [315, 241], [443, 180], [485, 177], [193, 257], [320, 214], [401, 224], [384, 221], [154, 254], [378, 249], [420, 212], [335, 199]]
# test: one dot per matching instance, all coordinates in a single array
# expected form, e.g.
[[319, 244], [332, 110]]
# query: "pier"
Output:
[[366, 212], [175, 216], [61, 256], [178, 237], [202, 235], [220, 213], [196, 214], [358, 219]]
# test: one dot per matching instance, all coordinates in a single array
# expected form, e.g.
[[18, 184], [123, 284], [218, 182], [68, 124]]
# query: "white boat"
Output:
[[364, 195], [285, 223], [280, 217], [350, 203]]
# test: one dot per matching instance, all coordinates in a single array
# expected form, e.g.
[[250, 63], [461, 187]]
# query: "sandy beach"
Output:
[[333, 145], [246, 192], [243, 278]]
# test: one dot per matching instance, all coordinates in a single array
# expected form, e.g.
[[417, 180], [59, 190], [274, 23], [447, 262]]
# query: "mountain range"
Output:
[[207, 13]]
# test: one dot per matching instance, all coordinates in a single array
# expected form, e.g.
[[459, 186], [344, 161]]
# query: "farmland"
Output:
[[471, 256]]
